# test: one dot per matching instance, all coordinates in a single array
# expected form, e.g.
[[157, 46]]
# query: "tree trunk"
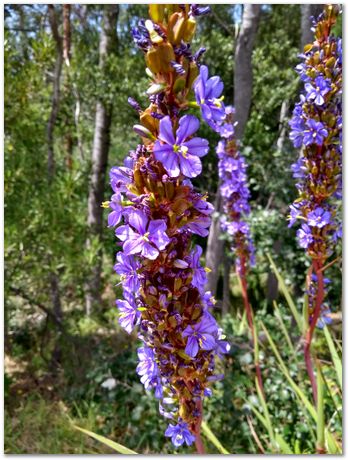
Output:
[[243, 76], [308, 10], [68, 138], [107, 45], [242, 101], [67, 33], [56, 91]]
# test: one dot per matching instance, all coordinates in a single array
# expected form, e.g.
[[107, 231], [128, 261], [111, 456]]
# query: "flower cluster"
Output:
[[232, 166], [316, 128], [155, 211]]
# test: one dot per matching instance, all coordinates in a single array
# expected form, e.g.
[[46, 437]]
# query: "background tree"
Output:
[[101, 143]]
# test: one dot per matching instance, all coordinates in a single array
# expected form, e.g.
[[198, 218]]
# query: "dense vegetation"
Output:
[[60, 357]]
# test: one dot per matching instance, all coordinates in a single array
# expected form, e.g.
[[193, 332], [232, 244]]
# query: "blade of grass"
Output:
[[320, 412], [285, 371], [334, 355], [266, 413], [286, 294], [284, 446], [213, 439], [331, 442], [107, 442], [283, 328]]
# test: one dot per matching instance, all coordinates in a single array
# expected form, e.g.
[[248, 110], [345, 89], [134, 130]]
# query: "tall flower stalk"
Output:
[[233, 185], [156, 211], [316, 128]]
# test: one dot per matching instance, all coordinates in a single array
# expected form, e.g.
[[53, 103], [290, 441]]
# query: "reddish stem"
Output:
[[242, 275], [198, 440], [317, 265]]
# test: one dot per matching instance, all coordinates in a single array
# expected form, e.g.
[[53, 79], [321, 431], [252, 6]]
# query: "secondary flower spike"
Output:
[[317, 128], [155, 211]]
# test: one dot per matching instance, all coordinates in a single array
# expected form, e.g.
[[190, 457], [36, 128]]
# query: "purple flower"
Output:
[[324, 318], [208, 92], [315, 133], [304, 236], [226, 130], [127, 267], [148, 370], [129, 314], [199, 275], [295, 213], [148, 238], [317, 92], [201, 335], [120, 177], [198, 226], [180, 434], [319, 218], [297, 128], [178, 154], [115, 215]]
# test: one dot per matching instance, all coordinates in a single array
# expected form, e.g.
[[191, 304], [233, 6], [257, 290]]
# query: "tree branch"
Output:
[[222, 23]]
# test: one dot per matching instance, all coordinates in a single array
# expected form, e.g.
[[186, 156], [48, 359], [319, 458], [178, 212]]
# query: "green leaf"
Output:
[[266, 413], [113, 445], [286, 294], [278, 315], [320, 411], [284, 446], [213, 439], [332, 444], [334, 355], [285, 371]]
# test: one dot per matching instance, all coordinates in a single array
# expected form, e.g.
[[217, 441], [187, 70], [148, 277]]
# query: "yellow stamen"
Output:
[[207, 270], [146, 237], [184, 151], [105, 204]]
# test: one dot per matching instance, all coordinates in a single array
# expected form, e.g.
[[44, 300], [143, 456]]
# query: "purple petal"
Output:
[[169, 160], [166, 131], [192, 347], [208, 342], [158, 235], [133, 246], [139, 221], [188, 124], [197, 146], [149, 251], [114, 218], [125, 233], [190, 166]]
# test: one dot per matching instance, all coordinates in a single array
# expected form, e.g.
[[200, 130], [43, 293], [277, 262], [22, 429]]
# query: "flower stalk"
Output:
[[316, 128], [156, 211]]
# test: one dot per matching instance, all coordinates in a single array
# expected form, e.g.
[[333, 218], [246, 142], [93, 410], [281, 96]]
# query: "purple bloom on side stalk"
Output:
[[201, 335], [148, 238], [180, 434], [177, 154]]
